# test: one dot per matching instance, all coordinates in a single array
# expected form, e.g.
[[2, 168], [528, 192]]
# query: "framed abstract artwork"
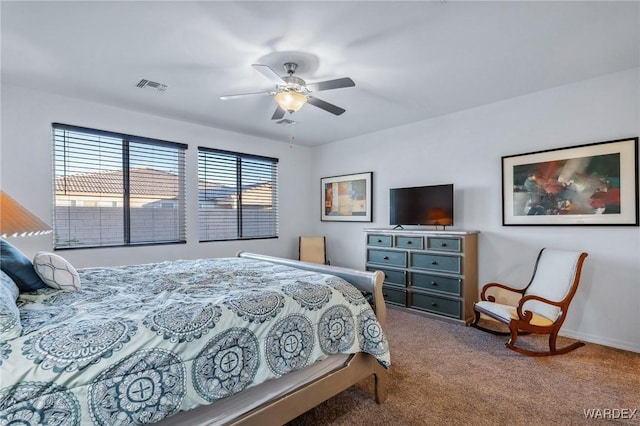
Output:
[[593, 184], [347, 198]]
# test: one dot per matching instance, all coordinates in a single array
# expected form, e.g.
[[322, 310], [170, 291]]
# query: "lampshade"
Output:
[[16, 221], [290, 100]]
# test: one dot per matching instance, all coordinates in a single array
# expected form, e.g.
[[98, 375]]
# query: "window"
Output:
[[112, 189], [237, 196]]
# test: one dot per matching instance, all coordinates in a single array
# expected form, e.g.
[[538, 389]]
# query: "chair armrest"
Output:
[[526, 315], [493, 291]]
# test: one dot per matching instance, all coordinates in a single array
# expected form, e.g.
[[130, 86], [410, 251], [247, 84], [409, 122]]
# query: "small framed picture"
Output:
[[347, 198]]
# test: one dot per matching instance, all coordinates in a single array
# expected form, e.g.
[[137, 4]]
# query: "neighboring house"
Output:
[[93, 199], [148, 188], [151, 188], [218, 204]]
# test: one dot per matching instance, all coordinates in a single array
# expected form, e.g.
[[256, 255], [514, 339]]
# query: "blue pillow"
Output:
[[19, 268]]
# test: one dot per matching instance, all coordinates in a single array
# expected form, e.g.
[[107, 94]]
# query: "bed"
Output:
[[246, 340]]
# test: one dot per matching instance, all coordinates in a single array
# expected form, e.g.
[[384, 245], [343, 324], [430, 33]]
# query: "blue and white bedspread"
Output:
[[139, 343]]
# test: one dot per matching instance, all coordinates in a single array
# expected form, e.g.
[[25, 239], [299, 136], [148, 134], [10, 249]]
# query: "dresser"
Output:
[[431, 272]]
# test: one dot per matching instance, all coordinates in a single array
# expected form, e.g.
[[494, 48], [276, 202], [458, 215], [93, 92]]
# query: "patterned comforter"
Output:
[[139, 343]]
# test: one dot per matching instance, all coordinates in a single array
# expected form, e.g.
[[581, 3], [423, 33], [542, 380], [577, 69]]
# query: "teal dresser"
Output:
[[431, 272]]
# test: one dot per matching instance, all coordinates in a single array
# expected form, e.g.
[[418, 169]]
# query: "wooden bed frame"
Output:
[[309, 395]]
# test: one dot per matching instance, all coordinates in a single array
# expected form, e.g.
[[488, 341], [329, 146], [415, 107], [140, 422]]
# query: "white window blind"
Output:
[[237, 196], [112, 189]]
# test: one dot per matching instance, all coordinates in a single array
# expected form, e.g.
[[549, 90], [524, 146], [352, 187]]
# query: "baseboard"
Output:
[[599, 340]]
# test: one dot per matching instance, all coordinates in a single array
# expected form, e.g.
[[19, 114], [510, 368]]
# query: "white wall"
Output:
[[26, 174], [465, 149]]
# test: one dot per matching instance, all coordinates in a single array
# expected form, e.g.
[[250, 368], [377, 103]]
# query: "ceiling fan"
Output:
[[291, 92]]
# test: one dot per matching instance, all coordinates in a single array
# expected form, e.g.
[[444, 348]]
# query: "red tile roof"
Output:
[[142, 181]]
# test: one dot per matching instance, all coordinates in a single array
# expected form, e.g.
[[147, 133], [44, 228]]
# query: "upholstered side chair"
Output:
[[539, 308], [313, 249]]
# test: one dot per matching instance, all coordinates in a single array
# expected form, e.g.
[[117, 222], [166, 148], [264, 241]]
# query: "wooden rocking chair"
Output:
[[539, 308]]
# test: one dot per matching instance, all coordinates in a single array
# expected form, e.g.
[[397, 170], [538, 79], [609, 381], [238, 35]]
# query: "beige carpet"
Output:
[[448, 374]]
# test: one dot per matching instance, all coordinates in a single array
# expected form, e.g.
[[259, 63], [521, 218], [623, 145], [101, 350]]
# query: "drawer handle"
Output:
[[433, 283], [385, 258], [408, 242], [443, 244], [434, 304], [434, 263], [379, 241]]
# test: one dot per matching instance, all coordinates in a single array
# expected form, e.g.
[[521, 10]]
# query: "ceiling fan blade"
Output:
[[333, 109], [243, 95], [331, 84], [278, 113], [269, 73]]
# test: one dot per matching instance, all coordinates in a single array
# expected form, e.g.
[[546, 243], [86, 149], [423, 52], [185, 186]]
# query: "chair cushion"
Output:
[[554, 276], [506, 313]]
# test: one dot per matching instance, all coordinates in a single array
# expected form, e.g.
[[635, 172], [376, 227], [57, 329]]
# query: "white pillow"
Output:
[[56, 272]]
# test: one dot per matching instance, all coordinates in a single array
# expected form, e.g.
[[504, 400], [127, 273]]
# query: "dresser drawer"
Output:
[[444, 244], [387, 257], [447, 285], [436, 262], [410, 242], [380, 240], [439, 305], [394, 295], [392, 277]]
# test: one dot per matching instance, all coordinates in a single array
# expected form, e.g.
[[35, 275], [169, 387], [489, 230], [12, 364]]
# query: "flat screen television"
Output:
[[421, 205]]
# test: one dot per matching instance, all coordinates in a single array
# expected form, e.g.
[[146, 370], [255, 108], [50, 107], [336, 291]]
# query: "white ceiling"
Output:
[[410, 60]]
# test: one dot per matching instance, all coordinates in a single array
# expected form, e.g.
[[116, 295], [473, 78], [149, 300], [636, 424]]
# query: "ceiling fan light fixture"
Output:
[[290, 100], [292, 92]]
